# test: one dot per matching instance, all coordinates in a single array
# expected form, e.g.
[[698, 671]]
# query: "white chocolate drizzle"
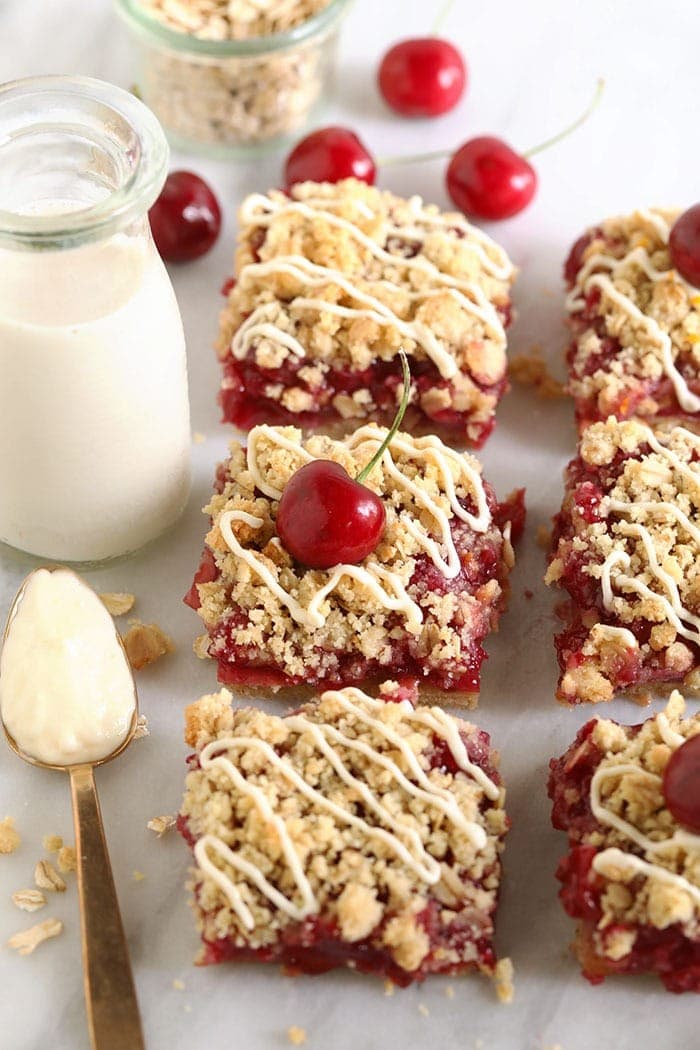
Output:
[[259, 325], [686, 623], [613, 862], [589, 277], [404, 842], [385, 586]]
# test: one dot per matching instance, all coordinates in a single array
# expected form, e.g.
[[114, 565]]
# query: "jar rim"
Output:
[[137, 19], [123, 205]]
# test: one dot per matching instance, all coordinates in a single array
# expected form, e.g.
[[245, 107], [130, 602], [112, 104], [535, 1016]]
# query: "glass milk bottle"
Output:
[[94, 414]]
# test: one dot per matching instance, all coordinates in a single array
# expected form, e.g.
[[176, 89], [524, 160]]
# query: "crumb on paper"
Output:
[[161, 825], [178, 984], [118, 603], [52, 843], [450, 992], [503, 979], [66, 859], [389, 987], [296, 1035], [198, 437], [9, 835], [28, 900], [27, 940], [543, 537], [530, 369], [47, 878], [145, 643], [423, 1010], [138, 875], [142, 729], [529, 594]]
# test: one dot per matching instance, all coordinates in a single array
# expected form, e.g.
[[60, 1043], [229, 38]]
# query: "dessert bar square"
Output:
[[330, 281], [624, 795], [418, 606], [626, 548], [635, 323], [354, 832]]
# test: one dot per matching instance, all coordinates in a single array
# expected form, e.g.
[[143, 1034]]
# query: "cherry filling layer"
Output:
[[316, 945], [481, 559], [668, 952], [250, 395]]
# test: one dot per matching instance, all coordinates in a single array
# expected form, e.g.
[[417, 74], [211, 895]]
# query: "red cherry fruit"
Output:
[[329, 155], [326, 518], [681, 784], [422, 77], [684, 245], [486, 178], [186, 217]]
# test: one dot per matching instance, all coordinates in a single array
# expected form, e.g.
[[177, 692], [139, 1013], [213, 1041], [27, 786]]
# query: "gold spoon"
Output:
[[113, 1016]]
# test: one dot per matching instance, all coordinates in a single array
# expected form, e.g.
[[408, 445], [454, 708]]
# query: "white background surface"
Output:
[[533, 67]]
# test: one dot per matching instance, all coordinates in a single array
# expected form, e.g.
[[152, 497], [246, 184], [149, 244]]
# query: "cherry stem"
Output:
[[572, 127], [439, 154], [367, 470], [442, 15]]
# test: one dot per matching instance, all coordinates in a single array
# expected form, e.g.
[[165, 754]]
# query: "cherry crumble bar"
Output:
[[632, 874], [355, 832], [626, 548], [635, 323], [418, 607], [330, 281]]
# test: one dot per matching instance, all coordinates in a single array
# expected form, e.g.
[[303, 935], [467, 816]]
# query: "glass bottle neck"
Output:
[[79, 160]]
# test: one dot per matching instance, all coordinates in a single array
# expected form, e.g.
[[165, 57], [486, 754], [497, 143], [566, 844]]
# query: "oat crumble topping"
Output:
[[145, 643], [357, 878]]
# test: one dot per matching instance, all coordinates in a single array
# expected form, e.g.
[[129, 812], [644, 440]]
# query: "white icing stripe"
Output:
[[610, 862], [397, 598], [313, 275], [589, 277], [257, 209], [668, 735], [218, 754], [605, 631]]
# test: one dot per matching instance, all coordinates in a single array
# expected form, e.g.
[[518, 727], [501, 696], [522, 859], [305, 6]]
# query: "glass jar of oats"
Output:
[[233, 76]]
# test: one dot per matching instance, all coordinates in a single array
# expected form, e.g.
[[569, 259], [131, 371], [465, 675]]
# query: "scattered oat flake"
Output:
[[118, 603], [161, 825], [198, 437], [52, 843], [503, 979], [47, 878], [450, 992], [66, 859], [178, 984], [531, 369], [9, 835], [141, 728], [389, 987], [145, 643], [423, 1010], [138, 876], [27, 940], [28, 900], [296, 1035]]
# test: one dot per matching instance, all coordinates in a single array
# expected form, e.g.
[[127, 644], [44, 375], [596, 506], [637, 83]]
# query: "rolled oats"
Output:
[[47, 878], [28, 900], [27, 940]]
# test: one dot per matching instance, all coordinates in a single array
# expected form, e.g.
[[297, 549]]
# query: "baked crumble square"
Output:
[[635, 323], [355, 832], [419, 606], [331, 280], [632, 874], [626, 548]]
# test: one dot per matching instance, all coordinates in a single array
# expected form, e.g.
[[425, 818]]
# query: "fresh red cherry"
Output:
[[684, 245], [186, 218], [422, 77], [326, 518], [329, 155], [681, 784], [486, 178]]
